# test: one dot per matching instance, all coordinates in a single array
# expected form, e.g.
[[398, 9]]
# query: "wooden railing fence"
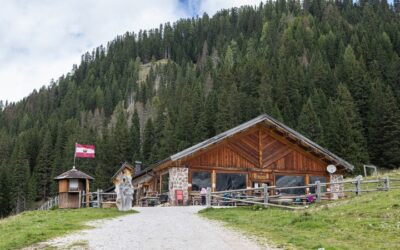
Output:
[[267, 193], [96, 199], [52, 202]]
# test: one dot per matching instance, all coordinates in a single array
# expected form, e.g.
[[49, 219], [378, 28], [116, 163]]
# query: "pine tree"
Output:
[[43, 168], [309, 124], [168, 140], [135, 138], [120, 132], [5, 194], [20, 178], [344, 134], [148, 141], [384, 127]]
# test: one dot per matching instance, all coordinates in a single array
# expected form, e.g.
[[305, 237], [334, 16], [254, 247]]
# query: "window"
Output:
[[227, 181], [290, 181], [73, 185], [200, 180], [165, 183], [321, 179]]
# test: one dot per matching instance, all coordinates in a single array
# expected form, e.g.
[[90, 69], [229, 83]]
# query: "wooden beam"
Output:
[[243, 153], [213, 180], [277, 155], [87, 193], [294, 146], [228, 169], [260, 148], [307, 181]]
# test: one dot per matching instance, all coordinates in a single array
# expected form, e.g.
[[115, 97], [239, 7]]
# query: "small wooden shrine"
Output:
[[72, 185]]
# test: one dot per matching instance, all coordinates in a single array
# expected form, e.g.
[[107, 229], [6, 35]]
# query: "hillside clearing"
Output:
[[370, 221], [36, 226]]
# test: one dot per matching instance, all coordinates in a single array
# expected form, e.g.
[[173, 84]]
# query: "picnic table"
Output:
[[152, 199]]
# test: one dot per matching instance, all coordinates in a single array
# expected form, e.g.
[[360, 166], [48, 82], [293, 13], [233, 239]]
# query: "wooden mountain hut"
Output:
[[71, 186], [262, 150]]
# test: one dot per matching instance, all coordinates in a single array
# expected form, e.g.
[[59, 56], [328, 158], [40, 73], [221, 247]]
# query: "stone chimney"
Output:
[[138, 167]]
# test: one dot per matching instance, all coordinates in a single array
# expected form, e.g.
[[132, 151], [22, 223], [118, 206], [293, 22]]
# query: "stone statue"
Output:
[[125, 194]]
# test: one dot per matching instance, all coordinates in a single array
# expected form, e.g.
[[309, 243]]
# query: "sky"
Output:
[[40, 40]]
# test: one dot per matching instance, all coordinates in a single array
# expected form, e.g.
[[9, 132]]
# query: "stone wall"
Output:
[[178, 180], [339, 188]]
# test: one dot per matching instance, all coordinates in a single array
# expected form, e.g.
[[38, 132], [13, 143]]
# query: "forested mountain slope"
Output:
[[330, 70]]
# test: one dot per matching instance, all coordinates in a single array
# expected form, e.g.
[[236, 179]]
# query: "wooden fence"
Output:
[[269, 195], [96, 199], [52, 202]]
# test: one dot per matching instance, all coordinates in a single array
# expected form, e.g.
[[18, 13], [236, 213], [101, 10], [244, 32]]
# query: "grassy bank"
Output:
[[371, 221], [36, 226]]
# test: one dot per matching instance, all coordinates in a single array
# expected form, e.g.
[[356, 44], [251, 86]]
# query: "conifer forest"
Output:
[[328, 69]]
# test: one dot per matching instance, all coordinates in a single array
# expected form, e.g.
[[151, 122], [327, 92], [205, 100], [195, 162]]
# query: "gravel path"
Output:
[[157, 228]]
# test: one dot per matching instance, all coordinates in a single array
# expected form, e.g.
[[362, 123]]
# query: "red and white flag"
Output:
[[84, 151]]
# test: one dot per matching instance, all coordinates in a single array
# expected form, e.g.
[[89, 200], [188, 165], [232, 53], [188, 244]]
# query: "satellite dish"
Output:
[[331, 169]]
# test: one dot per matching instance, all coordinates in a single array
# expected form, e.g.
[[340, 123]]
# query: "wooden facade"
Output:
[[261, 149], [260, 153]]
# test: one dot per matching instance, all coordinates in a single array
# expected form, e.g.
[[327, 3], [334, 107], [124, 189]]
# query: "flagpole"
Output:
[[74, 155]]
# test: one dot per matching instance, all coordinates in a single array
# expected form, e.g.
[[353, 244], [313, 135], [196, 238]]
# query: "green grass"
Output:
[[371, 221], [35, 226]]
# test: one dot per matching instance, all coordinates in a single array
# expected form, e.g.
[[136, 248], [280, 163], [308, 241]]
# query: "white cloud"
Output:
[[42, 39], [212, 6]]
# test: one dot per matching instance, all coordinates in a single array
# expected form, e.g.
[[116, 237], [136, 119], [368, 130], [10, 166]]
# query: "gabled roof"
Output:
[[73, 174], [124, 165], [270, 122]]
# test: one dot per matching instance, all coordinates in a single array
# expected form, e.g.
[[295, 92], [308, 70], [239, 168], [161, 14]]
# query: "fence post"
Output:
[[266, 195], [98, 198], [318, 191], [80, 199], [386, 182], [358, 186], [208, 197], [83, 198]]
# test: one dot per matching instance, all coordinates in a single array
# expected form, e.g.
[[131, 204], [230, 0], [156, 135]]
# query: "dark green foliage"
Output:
[[42, 178], [6, 192], [309, 124], [135, 138], [149, 141], [328, 68]]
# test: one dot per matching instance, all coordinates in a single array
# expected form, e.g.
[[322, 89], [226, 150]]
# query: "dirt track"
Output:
[[157, 228]]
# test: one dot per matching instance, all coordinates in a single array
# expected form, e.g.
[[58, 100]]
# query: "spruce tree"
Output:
[[5, 194], [148, 141], [20, 178], [384, 127], [43, 168], [120, 132], [135, 138], [309, 124]]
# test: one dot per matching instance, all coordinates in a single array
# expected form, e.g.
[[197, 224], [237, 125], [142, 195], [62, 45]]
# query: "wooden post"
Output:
[[260, 153], [318, 191], [386, 183], [98, 198], [266, 195], [87, 193], [80, 199], [358, 186], [213, 180], [208, 197], [307, 180]]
